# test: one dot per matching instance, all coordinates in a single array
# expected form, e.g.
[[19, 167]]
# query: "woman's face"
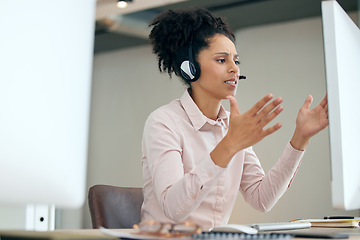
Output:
[[219, 69]]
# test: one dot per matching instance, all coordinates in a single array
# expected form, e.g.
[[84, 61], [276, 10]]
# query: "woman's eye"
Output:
[[221, 60], [237, 62]]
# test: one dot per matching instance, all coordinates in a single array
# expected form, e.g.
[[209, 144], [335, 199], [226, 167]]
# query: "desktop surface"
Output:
[[83, 234], [311, 233]]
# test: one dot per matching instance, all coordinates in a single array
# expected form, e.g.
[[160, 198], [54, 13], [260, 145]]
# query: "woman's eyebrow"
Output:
[[226, 53]]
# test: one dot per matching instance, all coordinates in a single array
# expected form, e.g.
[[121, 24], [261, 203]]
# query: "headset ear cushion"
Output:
[[197, 71]]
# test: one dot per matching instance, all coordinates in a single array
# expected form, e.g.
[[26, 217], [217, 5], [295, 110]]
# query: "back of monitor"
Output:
[[342, 60]]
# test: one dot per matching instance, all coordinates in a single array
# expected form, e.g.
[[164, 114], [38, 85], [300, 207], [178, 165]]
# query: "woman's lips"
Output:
[[231, 82]]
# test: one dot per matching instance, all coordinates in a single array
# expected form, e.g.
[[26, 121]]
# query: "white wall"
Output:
[[285, 59]]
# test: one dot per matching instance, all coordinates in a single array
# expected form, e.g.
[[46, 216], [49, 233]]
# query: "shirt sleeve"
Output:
[[262, 190], [178, 193]]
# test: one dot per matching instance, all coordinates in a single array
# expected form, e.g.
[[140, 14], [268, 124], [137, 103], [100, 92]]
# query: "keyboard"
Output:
[[278, 226], [241, 236]]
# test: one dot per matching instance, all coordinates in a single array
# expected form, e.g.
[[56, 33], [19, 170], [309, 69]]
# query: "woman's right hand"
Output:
[[246, 129]]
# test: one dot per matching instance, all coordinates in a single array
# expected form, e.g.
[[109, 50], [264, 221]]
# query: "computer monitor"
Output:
[[342, 60], [46, 51]]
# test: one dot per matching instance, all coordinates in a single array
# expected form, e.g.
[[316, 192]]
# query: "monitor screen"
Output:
[[342, 61], [45, 81]]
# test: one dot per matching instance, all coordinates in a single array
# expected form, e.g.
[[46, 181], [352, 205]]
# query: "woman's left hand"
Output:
[[309, 122]]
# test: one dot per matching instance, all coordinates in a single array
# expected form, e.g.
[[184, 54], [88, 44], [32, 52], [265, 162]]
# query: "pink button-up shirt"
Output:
[[182, 183]]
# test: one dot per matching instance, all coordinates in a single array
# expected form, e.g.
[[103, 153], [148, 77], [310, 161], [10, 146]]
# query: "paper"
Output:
[[350, 223]]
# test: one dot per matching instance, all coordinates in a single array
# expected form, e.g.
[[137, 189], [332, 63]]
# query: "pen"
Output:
[[339, 217]]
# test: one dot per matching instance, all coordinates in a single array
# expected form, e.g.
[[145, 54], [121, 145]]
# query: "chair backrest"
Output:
[[115, 207]]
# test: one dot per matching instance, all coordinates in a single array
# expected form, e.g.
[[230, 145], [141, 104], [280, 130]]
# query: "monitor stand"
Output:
[[40, 217]]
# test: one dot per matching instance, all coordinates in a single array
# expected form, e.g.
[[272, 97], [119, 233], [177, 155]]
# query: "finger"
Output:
[[233, 105], [324, 101], [272, 129], [271, 116], [308, 102], [260, 104], [326, 108], [271, 106]]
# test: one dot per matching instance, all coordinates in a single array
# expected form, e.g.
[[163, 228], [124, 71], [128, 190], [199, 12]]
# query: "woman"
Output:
[[197, 156]]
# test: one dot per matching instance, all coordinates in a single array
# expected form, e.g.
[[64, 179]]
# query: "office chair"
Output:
[[114, 207]]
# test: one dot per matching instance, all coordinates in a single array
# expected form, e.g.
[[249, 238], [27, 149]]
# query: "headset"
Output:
[[190, 69]]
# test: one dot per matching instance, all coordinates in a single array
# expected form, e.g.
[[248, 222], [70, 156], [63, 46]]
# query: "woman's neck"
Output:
[[209, 107]]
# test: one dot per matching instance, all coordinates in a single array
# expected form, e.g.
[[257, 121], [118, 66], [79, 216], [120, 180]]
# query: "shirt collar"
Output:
[[197, 118]]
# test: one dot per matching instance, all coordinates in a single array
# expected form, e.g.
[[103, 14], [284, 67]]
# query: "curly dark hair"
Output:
[[174, 30]]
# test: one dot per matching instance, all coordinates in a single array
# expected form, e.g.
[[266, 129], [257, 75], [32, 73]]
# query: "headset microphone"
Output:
[[242, 77]]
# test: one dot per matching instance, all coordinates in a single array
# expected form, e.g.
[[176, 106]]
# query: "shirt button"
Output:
[[221, 122]]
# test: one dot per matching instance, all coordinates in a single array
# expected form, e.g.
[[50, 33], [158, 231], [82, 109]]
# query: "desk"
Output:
[[83, 234], [353, 233], [92, 234]]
